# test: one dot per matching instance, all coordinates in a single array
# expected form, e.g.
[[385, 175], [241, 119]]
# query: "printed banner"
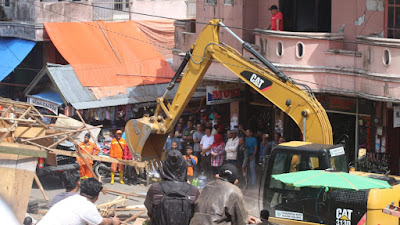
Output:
[[220, 94], [44, 104]]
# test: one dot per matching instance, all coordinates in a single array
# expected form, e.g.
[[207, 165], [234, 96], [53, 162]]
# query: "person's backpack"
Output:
[[175, 207]]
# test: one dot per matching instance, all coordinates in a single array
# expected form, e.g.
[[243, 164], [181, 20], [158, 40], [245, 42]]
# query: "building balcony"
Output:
[[319, 60]]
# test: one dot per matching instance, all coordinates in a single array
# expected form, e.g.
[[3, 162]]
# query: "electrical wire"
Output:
[[202, 57], [232, 27]]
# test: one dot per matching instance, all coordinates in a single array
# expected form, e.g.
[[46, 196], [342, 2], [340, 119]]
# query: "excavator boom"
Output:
[[146, 136]]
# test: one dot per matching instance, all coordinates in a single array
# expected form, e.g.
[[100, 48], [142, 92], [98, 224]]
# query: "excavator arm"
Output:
[[146, 136]]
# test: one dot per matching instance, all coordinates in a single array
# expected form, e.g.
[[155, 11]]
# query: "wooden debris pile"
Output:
[[24, 138], [117, 208]]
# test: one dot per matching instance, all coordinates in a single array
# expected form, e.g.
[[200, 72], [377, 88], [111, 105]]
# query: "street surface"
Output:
[[52, 186]]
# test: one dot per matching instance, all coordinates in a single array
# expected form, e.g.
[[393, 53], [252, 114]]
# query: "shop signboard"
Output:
[[341, 104], [396, 116], [219, 94], [44, 104], [345, 104]]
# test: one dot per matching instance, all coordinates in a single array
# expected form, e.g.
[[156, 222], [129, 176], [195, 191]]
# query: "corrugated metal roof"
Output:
[[64, 77]]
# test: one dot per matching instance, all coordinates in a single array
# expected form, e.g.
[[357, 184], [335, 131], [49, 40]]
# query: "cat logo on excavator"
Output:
[[343, 216]]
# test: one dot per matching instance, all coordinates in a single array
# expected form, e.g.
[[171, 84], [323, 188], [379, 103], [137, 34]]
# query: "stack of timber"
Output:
[[24, 138]]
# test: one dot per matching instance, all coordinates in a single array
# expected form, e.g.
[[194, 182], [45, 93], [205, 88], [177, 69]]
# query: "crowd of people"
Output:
[[198, 145], [173, 201], [207, 145]]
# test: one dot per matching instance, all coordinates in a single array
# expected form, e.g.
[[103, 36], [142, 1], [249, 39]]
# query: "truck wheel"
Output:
[[101, 170]]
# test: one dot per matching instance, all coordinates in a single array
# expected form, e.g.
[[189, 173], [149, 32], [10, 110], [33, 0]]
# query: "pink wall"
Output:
[[338, 71], [347, 12], [342, 63], [264, 15]]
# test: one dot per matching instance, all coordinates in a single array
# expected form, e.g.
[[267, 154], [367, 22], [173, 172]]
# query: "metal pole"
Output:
[[356, 138], [231, 32], [304, 128], [248, 47]]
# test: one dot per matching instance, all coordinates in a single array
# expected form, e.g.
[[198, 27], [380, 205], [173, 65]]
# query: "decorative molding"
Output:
[[300, 35]]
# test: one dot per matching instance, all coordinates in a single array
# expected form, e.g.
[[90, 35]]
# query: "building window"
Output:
[[299, 50], [386, 57], [7, 3], [279, 49], [392, 18], [211, 2], [118, 4], [228, 2]]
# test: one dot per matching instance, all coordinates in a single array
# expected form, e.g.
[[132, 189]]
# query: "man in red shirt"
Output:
[[276, 19]]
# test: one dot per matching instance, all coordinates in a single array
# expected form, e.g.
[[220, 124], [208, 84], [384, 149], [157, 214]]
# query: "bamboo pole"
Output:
[[15, 124], [63, 133], [84, 159], [124, 193], [85, 125], [97, 158], [133, 217], [39, 184]]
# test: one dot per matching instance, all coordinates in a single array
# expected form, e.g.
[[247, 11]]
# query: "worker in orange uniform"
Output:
[[87, 147], [117, 152]]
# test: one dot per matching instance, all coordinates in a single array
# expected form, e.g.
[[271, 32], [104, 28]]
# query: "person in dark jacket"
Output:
[[174, 175], [242, 161], [221, 201]]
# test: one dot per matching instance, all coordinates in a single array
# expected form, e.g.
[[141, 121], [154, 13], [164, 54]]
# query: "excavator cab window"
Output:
[[339, 163], [281, 197]]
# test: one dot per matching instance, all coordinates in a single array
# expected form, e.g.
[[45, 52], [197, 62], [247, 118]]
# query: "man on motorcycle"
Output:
[[87, 147]]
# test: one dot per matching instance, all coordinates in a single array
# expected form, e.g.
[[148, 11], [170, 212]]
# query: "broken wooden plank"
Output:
[[85, 160], [17, 172], [139, 221], [20, 149], [18, 119], [29, 132], [85, 125], [15, 123], [39, 184], [112, 203], [62, 133], [124, 193], [131, 208], [133, 217]]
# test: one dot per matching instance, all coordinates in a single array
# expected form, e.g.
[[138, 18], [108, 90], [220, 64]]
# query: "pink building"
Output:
[[346, 51]]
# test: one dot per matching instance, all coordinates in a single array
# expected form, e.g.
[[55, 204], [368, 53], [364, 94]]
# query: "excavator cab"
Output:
[[287, 203]]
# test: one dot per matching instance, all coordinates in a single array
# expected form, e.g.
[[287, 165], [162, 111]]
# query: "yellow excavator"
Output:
[[287, 205]]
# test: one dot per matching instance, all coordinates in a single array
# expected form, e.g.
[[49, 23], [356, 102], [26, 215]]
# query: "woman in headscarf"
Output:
[[217, 153], [174, 180]]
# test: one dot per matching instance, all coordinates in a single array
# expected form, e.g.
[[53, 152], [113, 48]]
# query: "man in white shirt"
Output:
[[231, 147], [205, 146], [79, 209]]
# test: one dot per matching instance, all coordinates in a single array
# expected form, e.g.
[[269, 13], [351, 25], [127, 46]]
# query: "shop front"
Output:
[[225, 99], [358, 124]]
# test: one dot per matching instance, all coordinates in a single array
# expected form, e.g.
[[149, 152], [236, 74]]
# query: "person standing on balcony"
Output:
[[276, 19]]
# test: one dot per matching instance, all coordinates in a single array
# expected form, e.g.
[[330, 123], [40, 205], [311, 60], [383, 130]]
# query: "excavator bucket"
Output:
[[143, 140]]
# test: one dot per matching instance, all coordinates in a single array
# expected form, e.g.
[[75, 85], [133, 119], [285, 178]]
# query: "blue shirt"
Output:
[[169, 141], [251, 144]]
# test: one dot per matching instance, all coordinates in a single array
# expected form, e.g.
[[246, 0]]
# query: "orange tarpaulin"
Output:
[[161, 33], [109, 54]]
